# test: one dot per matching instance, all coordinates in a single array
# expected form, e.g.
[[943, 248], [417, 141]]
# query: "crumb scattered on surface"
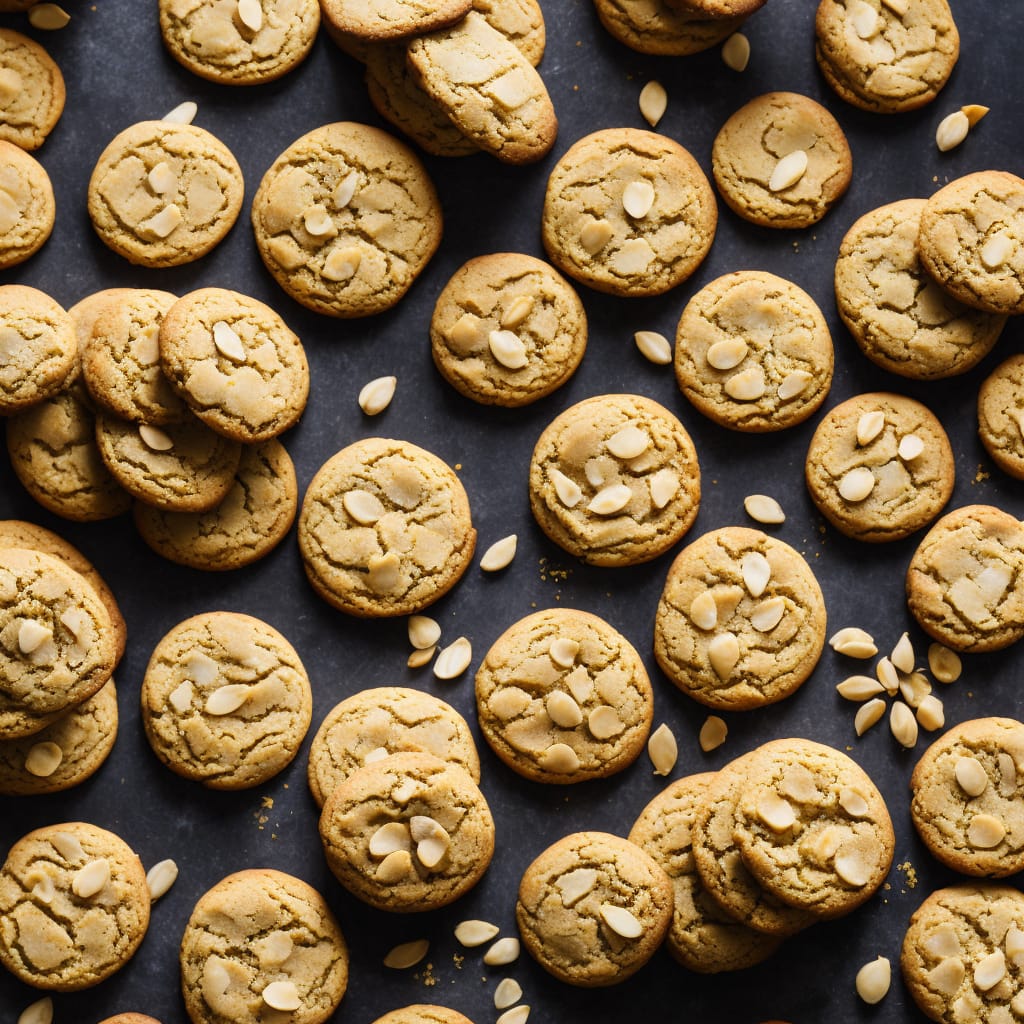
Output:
[[910, 871], [981, 474], [458, 961], [267, 802]]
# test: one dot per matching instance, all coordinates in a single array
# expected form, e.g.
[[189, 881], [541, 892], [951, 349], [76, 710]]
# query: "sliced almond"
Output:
[[227, 699], [951, 131], [595, 235], [663, 750], [970, 776], [902, 655], [395, 868], [867, 715], [996, 251], [736, 52], [68, 846], [947, 976], [408, 954], [419, 658], [1007, 774], [859, 688], [281, 995], [609, 500], [431, 839], [574, 885], [517, 1015], [508, 349], [568, 491], [48, 17], [864, 18], [788, 171], [162, 224], [376, 396], [507, 993], [776, 812], [559, 758], [990, 970], [500, 554], [664, 486], [974, 112], [183, 113], [852, 801], [638, 198], [32, 635], [154, 438], [853, 642], [764, 509], [162, 179], [985, 832], [250, 14], [930, 713], [604, 722], [857, 484], [712, 733], [887, 676], [853, 867], [365, 508], [653, 102], [654, 347], [475, 933], [629, 442], [39, 1012], [945, 664], [43, 759], [318, 222], [869, 426], [794, 384], [563, 651], [768, 614], [377, 754], [724, 654], [227, 341], [391, 836], [345, 190], [91, 879], [873, 980], [910, 447], [621, 921], [747, 385], [914, 688], [903, 724], [725, 354], [342, 264], [160, 877], [504, 951], [563, 710], [423, 631], [454, 659], [704, 610], [756, 571], [899, 7]]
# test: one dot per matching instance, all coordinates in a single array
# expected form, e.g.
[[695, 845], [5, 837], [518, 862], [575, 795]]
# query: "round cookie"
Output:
[[614, 480], [719, 8], [162, 193], [423, 1013], [590, 234], [521, 21], [968, 797], [86, 311], [392, 19], [868, 478], [753, 352], [373, 724], [660, 27], [507, 329], [247, 525], [31, 91], [212, 41], [901, 319], [965, 582], [752, 144], [385, 529], [701, 938], [225, 700], [236, 363], [27, 208], [972, 240], [1001, 415], [407, 833], [130, 1018], [63, 754], [254, 929], [563, 697], [960, 936], [593, 909], [74, 906], [884, 57], [741, 620]]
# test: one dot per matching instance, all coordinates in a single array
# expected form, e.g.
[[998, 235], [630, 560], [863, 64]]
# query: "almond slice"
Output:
[[736, 52], [653, 102], [227, 341], [664, 486], [39, 1012], [610, 500], [281, 995], [48, 17], [756, 571], [930, 713], [475, 933], [629, 442], [776, 812], [788, 171], [227, 699], [853, 642], [563, 651], [391, 836], [43, 759], [638, 198], [154, 438], [794, 384], [500, 554], [868, 714], [91, 879], [408, 954], [902, 655], [768, 614], [568, 491], [504, 951], [712, 733], [910, 447], [654, 347], [704, 611], [32, 635], [507, 993], [454, 659], [951, 131], [162, 179], [764, 509], [376, 396], [183, 113], [345, 190], [663, 750], [621, 921], [508, 349], [859, 688], [365, 508], [857, 484], [869, 426], [724, 654], [563, 710], [423, 631], [160, 877], [595, 235], [725, 354]]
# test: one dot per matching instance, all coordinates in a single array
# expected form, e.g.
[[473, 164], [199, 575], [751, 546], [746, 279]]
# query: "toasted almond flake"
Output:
[[852, 801], [604, 722], [227, 341], [736, 52], [183, 113], [873, 980], [517, 1015], [32, 635], [609, 500], [638, 198], [902, 655], [621, 921], [43, 759], [517, 311], [764, 509], [974, 112], [859, 688], [574, 885], [945, 664], [914, 688], [930, 713], [788, 171], [869, 426], [180, 698], [899, 7], [563, 651], [376, 396], [162, 179], [226, 699], [887, 676], [507, 994], [794, 384], [250, 14], [408, 954], [903, 724], [725, 354], [857, 484], [568, 491], [431, 839], [768, 614], [424, 631], [563, 710], [942, 942], [996, 251], [629, 442], [282, 995], [475, 933], [724, 654], [91, 879], [318, 222], [867, 715], [160, 877], [756, 572], [154, 438], [500, 554], [504, 951], [559, 758], [345, 190], [377, 754], [508, 349], [776, 812], [853, 642], [990, 971], [985, 832], [910, 447], [746, 386], [704, 611], [342, 264], [853, 867], [595, 236], [365, 508], [454, 659], [391, 836], [653, 102], [654, 347], [712, 733], [971, 776], [162, 224], [39, 1012], [664, 486], [951, 131], [48, 17], [947, 976], [663, 750]]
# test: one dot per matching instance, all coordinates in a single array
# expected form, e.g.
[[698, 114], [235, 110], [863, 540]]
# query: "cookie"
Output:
[[741, 620], [422, 1013], [130, 1018], [593, 909], [491, 92], [385, 529], [972, 240], [507, 329], [614, 480], [563, 697], [257, 940], [345, 219], [628, 212], [968, 797], [38, 348], [901, 319], [27, 208], [781, 161], [74, 906], [961, 954], [879, 467], [225, 701], [373, 724], [31, 91], [753, 352], [392, 19], [63, 754], [660, 27], [407, 833], [719, 8], [215, 40], [701, 937], [247, 525], [884, 57], [1001, 415], [520, 21], [85, 312], [236, 363], [162, 194]]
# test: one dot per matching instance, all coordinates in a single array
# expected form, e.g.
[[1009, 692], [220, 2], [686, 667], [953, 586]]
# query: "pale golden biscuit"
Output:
[[741, 620], [27, 208], [378, 20], [422, 1013], [345, 219], [781, 161], [718, 8], [965, 582], [660, 27], [163, 194], [614, 480], [86, 311], [31, 91], [74, 906], [628, 212], [130, 1018], [521, 21], [593, 909], [753, 352], [901, 319], [1001, 415], [258, 928]]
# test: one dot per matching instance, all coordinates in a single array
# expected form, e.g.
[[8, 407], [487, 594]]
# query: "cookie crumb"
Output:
[[910, 871], [981, 475], [267, 802], [458, 960]]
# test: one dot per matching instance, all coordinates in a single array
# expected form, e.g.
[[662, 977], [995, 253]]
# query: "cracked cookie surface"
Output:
[[659, 27], [27, 207], [31, 91], [380, 20], [423, 1013], [1001, 415]]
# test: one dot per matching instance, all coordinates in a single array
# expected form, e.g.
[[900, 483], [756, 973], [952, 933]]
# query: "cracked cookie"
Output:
[[407, 833], [262, 946], [718, 8], [27, 207], [130, 1018], [380, 20], [225, 700], [507, 329], [1001, 415], [660, 27], [614, 480], [520, 21], [423, 1013], [31, 91], [628, 212]]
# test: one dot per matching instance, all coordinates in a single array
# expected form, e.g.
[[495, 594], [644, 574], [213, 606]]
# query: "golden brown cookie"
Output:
[[719, 8], [27, 208], [423, 1013], [1001, 415], [661, 27], [381, 20], [31, 91], [130, 1018]]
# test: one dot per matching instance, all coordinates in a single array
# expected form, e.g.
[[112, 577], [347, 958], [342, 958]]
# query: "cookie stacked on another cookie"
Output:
[[672, 27]]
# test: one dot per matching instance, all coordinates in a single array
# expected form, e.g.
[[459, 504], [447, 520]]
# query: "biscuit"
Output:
[[407, 833], [74, 906], [163, 194], [628, 212], [741, 620], [422, 1013], [972, 240], [879, 467], [718, 8], [749, 150], [593, 909], [660, 27], [130, 1018], [614, 480], [507, 329], [965, 581], [753, 352], [385, 529], [380, 20], [901, 319], [225, 701], [968, 797], [1001, 415], [345, 219], [372, 724], [520, 21], [258, 928], [27, 208], [31, 91]]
